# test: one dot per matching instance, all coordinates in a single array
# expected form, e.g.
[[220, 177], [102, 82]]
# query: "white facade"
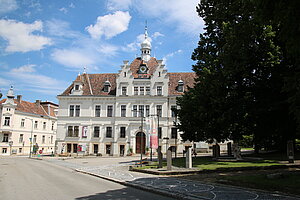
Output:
[[144, 85], [20, 121]]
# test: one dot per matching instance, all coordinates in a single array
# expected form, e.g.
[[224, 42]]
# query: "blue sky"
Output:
[[44, 44]]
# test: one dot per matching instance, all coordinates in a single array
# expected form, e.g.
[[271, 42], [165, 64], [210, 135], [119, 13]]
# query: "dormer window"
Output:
[[180, 87], [76, 87], [106, 86]]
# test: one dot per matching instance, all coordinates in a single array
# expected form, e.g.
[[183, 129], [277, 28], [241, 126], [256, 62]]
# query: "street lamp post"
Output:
[[30, 151]]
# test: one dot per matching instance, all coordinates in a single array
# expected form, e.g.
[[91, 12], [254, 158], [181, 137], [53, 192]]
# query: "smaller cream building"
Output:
[[22, 122]]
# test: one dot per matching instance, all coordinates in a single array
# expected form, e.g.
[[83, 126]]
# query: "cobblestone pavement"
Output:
[[178, 188]]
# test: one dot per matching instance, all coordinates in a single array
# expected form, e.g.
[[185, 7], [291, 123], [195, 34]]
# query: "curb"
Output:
[[212, 171], [148, 189]]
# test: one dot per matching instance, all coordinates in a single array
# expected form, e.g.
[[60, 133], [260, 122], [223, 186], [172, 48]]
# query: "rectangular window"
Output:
[[134, 111], [22, 122], [44, 125], [124, 90], [147, 90], [142, 91], [34, 139], [4, 150], [97, 110], [52, 127], [35, 124], [6, 121], [159, 132], [71, 111], [76, 131], [174, 133], [70, 131], [173, 108], [109, 111], [77, 111], [122, 132], [96, 131], [159, 90], [73, 131], [5, 138], [76, 87], [20, 150], [136, 90], [159, 110], [123, 110], [43, 139], [21, 138], [141, 110], [147, 110], [108, 132]]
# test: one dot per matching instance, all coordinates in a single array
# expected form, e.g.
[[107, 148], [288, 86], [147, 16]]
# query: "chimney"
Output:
[[38, 102], [19, 98]]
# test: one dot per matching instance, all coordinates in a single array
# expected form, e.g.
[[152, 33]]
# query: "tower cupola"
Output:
[[146, 47]]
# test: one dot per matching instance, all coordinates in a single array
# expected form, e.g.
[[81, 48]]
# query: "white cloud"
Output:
[[73, 57], [24, 69], [64, 10], [27, 77], [108, 49], [181, 13], [114, 5], [135, 45], [61, 29], [72, 5], [109, 25], [7, 6], [4, 82], [157, 34], [20, 38], [170, 55]]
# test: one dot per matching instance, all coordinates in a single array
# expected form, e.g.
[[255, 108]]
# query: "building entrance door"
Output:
[[122, 150], [96, 148], [140, 141]]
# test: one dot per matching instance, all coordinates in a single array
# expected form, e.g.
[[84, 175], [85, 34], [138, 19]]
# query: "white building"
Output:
[[21, 120], [100, 113]]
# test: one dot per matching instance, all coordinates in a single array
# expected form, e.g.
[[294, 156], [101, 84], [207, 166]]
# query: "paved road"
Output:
[[23, 178], [117, 170]]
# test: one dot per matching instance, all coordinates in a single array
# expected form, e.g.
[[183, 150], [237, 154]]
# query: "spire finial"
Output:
[[146, 28], [84, 70]]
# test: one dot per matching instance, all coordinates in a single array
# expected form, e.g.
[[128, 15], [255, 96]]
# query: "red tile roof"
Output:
[[33, 108], [188, 79], [93, 84]]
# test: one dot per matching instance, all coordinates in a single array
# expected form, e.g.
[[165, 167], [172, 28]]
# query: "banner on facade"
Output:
[[84, 131], [81, 147], [153, 132]]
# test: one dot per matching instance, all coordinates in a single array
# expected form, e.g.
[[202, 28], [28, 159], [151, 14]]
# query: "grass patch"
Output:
[[288, 183], [206, 163]]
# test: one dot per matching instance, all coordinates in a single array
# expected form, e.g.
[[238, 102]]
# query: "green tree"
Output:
[[239, 86]]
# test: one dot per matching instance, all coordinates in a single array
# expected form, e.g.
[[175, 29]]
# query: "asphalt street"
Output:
[[23, 178]]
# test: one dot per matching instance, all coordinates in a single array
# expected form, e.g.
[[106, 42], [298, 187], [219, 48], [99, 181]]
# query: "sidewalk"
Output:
[[174, 187]]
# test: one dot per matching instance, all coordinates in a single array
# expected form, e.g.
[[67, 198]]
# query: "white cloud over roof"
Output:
[[20, 36], [109, 25]]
